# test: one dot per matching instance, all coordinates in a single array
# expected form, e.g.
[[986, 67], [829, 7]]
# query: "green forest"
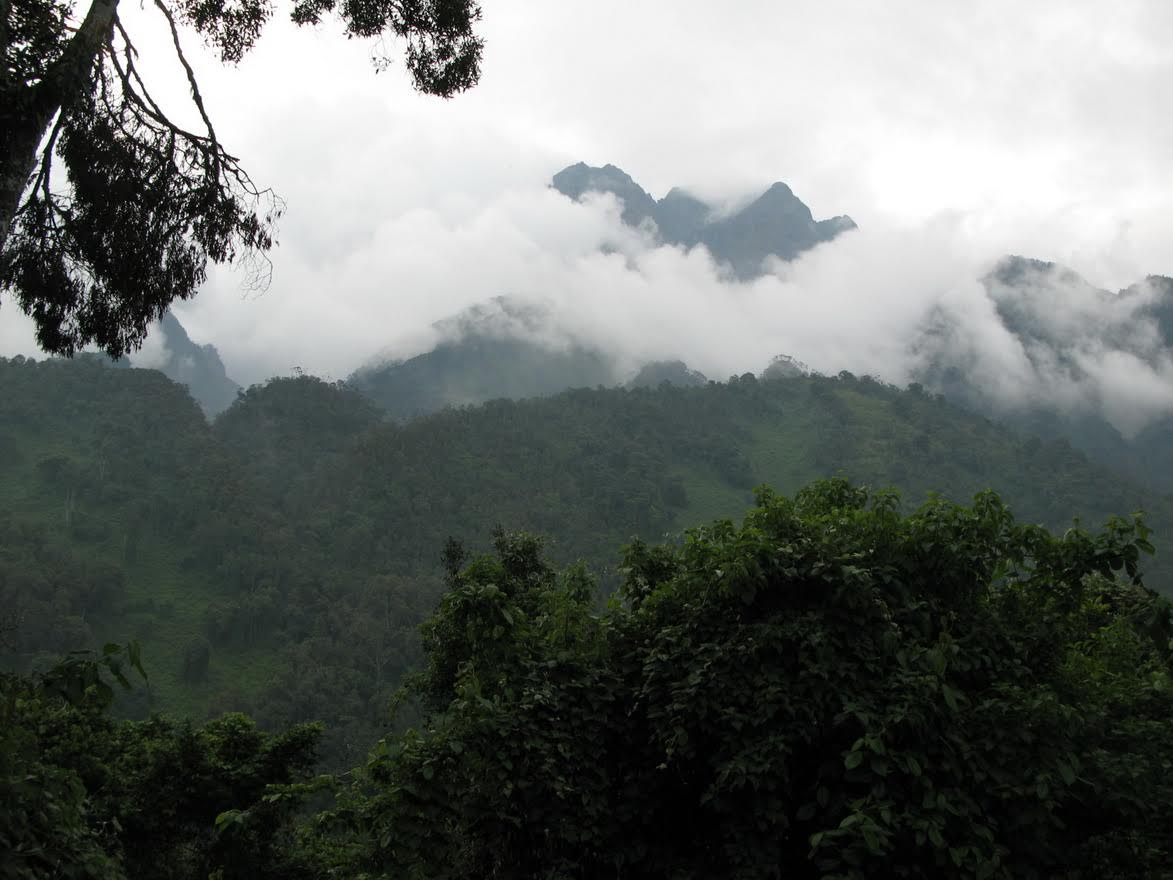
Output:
[[527, 597], [527, 638]]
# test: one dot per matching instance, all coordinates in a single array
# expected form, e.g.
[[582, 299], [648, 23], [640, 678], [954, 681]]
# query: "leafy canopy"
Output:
[[85, 796], [109, 209], [832, 689]]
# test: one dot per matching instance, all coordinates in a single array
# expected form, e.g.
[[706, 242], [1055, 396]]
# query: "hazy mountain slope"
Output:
[[477, 368], [1084, 364], [1158, 291], [776, 224], [578, 180], [500, 349], [1055, 357], [197, 367]]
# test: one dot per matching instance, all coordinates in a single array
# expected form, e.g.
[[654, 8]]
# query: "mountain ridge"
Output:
[[197, 367], [776, 224]]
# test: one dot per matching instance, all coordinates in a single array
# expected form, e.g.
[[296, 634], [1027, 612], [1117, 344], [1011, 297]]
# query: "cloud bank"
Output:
[[953, 133], [886, 301], [865, 302]]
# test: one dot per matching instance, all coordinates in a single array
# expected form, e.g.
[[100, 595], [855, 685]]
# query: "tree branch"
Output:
[[72, 70], [136, 91], [191, 79], [5, 11], [46, 164]]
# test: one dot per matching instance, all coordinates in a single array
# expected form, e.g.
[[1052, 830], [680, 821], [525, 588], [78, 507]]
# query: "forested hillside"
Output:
[[835, 688], [279, 560], [1084, 351]]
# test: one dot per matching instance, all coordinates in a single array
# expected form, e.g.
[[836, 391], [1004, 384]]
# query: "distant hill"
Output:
[[478, 368], [485, 353], [776, 224], [676, 373], [506, 349], [198, 367], [1065, 328]]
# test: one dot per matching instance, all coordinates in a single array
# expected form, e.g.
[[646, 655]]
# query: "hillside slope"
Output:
[[279, 560]]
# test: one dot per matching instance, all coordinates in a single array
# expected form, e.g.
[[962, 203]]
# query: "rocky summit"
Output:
[[776, 224]]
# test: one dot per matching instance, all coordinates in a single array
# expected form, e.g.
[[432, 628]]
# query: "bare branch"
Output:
[[196, 97], [46, 164], [135, 89]]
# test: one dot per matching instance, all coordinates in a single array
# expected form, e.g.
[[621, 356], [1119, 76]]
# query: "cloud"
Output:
[[861, 303], [1075, 347], [155, 352], [954, 133], [18, 334]]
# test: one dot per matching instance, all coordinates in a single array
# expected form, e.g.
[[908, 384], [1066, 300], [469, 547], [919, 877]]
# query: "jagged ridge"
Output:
[[776, 224]]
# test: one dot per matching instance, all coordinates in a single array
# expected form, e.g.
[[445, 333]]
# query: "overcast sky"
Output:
[[951, 131]]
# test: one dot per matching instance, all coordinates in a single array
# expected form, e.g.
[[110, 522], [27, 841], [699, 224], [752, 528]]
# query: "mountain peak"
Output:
[[175, 355], [779, 198], [575, 181], [776, 224], [680, 194], [777, 189]]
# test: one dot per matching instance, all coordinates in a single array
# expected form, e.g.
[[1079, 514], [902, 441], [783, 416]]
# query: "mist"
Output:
[[155, 352], [888, 300], [953, 141], [873, 301]]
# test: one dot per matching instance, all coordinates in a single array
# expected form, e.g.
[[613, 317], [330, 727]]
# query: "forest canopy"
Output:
[[840, 684], [832, 689], [279, 561]]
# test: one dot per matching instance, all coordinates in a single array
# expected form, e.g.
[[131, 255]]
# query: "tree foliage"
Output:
[[85, 796], [832, 689], [138, 204], [299, 535]]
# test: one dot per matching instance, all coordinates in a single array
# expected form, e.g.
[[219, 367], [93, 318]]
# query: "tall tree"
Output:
[[834, 689], [97, 252]]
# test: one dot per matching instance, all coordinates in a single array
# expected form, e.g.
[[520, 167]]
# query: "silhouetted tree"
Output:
[[98, 248]]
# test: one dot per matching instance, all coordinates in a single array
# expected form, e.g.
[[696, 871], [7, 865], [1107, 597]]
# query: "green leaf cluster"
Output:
[[832, 689], [85, 796]]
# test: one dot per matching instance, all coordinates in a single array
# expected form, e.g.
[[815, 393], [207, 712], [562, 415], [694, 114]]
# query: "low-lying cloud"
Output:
[[886, 300], [883, 300], [1047, 139]]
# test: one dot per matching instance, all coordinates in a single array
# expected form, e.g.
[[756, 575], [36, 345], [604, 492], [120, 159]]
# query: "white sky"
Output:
[[951, 131]]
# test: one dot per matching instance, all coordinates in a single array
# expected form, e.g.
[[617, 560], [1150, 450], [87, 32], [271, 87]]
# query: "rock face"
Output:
[[776, 224], [576, 181], [197, 366], [681, 217]]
